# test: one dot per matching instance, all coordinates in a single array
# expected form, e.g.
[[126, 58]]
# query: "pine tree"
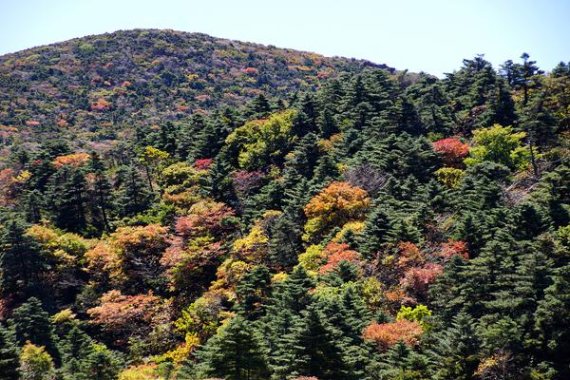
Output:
[[132, 195], [285, 242], [31, 322], [252, 292], [101, 200], [317, 348], [68, 195], [75, 348], [9, 355], [552, 320], [100, 364], [455, 350], [399, 362], [377, 231], [22, 263], [235, 353]]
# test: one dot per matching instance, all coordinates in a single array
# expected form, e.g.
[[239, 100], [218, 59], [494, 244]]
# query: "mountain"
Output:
[[95, 86]]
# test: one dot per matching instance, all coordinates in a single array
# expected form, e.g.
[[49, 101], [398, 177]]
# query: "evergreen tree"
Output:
[[316, 348], [31, 322], [9, 355], [22, 263], [235, 353], [455, 350], [552, 321], [101, 200], [285, 242], [68, 198], [131, 195], [100, 364], [252, 292], [75, 349]]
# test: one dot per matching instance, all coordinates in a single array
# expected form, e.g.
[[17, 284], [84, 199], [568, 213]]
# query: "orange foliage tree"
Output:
[[409, 255], [120, 315], [75, 160], [130, 256], [385, 335], [336, 205]]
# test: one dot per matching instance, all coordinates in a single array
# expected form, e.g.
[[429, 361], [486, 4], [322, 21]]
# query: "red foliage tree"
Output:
[[335, 254], [452, 151], [416, 281], [454, 248], [100, 105], [250, 71], [203, 163], [245, 181], [205, 217]]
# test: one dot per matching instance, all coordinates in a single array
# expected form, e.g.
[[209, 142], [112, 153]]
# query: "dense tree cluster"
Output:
[[384, 226]]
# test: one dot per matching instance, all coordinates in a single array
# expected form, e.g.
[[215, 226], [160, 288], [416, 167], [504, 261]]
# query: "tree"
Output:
[[101, 191], [31, 323], [9, 355], [131, 195], [284, 242], [75, 347], [253, 291], [316, 348], [498, 144], [100, 364], [68, 194], [452, 151], [151, 157], [262, 142], [118, 313], [235, 353], [22, 263], [377, 231], [552, 317], [455, 349], [36, 363], [386, 335], [336, 205]]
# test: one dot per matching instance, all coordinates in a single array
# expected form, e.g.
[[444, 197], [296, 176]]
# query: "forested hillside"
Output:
[[98, 88], [174, 206]]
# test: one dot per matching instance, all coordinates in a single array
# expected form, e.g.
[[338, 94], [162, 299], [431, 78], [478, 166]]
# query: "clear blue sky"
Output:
[[429, 35]]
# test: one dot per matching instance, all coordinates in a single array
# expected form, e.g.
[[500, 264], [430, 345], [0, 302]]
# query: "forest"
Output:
[[175, 206]]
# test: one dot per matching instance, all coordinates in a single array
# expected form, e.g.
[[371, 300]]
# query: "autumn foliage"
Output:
[[118, 313], [204, 217], [336, 205], [75, 160], [454, 248], [410, 255], [336, 253], [203, 163], [451, 150], [129, 254], [417, 280], [385, 335]]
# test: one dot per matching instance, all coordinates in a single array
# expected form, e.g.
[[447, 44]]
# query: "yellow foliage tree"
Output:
[[336, 205]]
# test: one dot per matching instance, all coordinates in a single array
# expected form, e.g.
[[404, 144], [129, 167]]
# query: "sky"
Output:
[[420, 35]]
